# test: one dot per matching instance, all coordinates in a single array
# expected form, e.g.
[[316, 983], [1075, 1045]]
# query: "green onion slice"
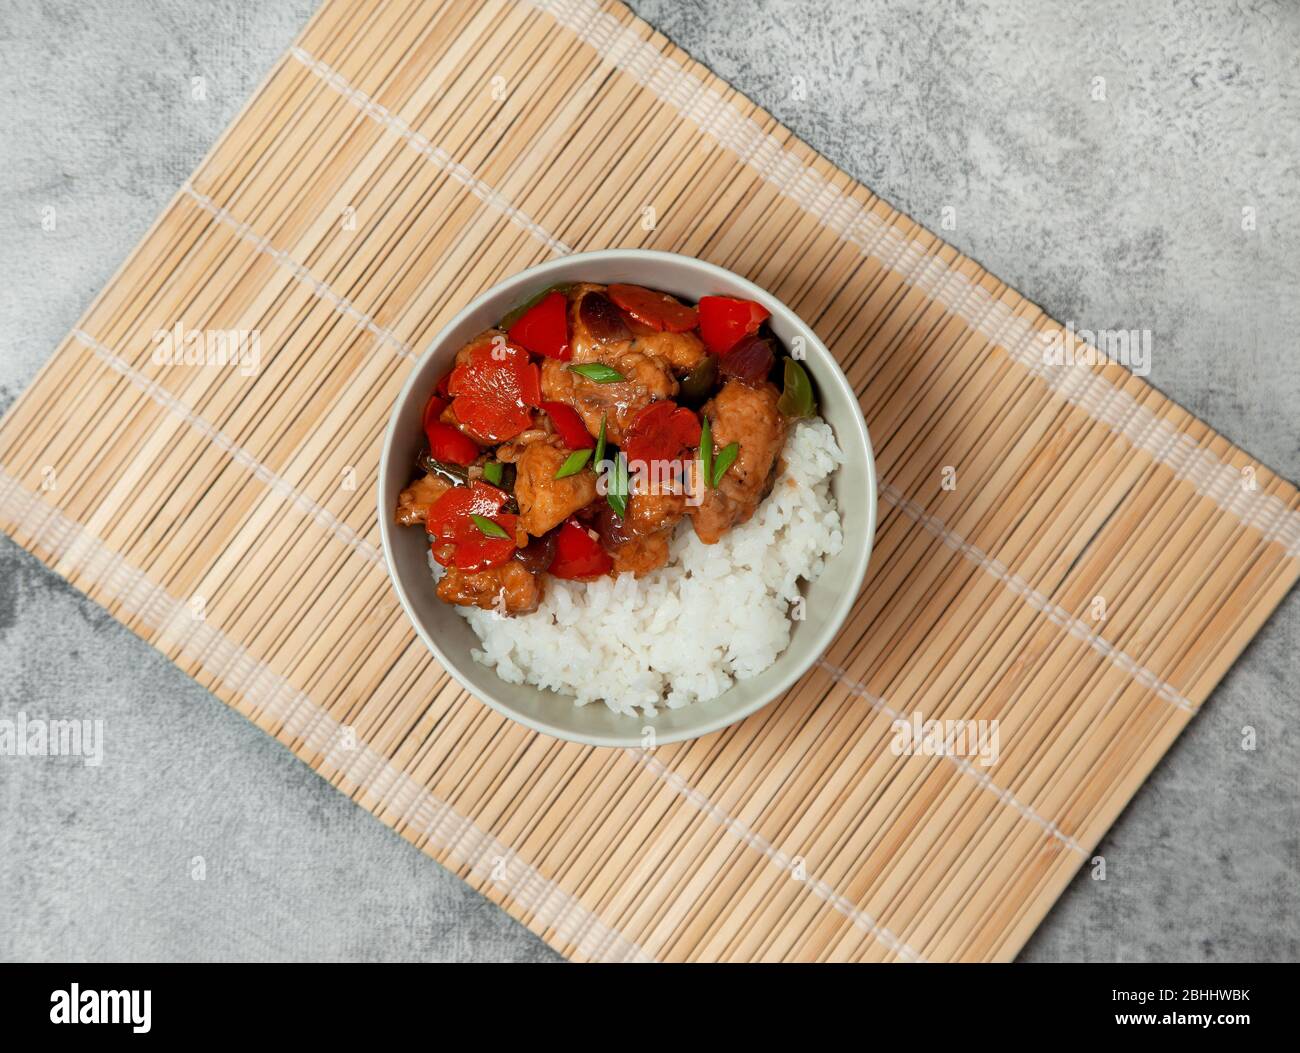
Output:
[[493, 472], [487, 527], [726, 456], [617, 488], [599, 455], [598, 372], [706, 452], [574, 463]]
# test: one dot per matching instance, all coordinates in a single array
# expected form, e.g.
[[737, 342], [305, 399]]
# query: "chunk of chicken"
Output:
[[600, 332], [638, 542], [485, 337], [646, 379], [747, 415], [682, 351], [640, 555], [510, 588], [651, 513], [545, 501], [414, 502]]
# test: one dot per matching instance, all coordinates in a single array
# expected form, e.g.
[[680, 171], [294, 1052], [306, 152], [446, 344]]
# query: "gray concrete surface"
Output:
[[1122, 212]]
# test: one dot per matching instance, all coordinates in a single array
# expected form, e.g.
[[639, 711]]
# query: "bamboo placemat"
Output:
[[402, 157]]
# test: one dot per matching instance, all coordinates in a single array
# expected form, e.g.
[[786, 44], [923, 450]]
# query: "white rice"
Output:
[[688, 631]]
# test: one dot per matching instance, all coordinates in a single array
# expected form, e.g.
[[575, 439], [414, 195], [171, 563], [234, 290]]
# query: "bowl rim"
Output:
[[845, 598]]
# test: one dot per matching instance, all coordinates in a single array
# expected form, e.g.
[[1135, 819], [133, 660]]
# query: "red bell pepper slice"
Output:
[[725, 320], [661, 432], [433, 409], [578, 555], [569, 426], [458, 540], [544, 327], [450, 445], [447, 444], [657, 310], [493, 390]]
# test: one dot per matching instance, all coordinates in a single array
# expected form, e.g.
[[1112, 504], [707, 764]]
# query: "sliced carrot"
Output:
[[494, 390], [661, 432], [655, 309]]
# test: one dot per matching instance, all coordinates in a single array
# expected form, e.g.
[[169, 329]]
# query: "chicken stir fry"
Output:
[[575, 437]]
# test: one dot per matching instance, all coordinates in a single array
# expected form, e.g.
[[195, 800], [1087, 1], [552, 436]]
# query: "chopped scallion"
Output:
[[597, 372], [487, 527], [726, 456], [574, 463], [617, 490], [706, 452]]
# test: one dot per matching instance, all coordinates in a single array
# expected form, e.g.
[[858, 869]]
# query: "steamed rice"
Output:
[[688, 631]]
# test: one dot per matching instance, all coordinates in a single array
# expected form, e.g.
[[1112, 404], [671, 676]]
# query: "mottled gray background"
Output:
[[1120, 213]]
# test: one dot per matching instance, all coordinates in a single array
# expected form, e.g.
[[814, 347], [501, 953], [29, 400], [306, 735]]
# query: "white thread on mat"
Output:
[[487, 858], [822, 889], [276, 483], [263, 245], [858, 225], [1054, 613], [436, 154], [856, 687]]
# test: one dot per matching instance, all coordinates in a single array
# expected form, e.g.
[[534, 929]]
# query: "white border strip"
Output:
[[392, 789], [821, 889], [438, 156], [1054, 613], [263, 245], [276, 483], [856, 224]]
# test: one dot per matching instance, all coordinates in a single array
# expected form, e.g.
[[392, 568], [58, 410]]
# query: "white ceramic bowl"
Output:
[[449, 636]]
